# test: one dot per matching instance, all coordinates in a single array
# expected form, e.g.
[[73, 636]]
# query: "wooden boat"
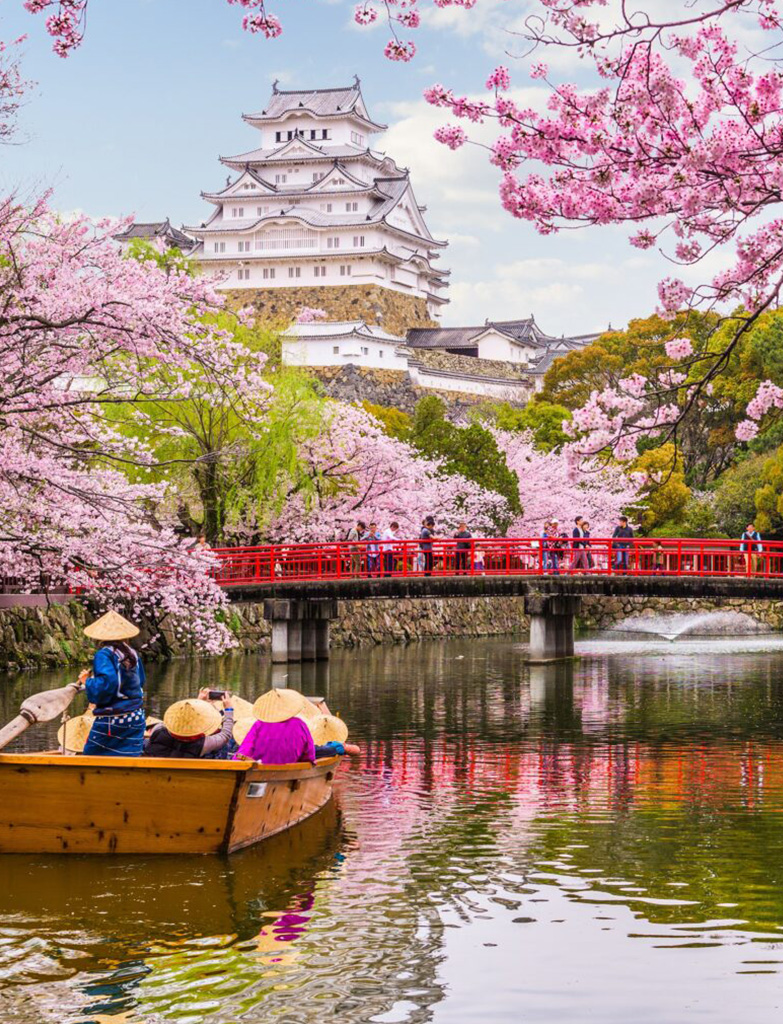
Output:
[[77, 804]]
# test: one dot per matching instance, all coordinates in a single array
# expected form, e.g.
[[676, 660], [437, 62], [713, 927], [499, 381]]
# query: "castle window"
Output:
[[238, 211], [261, 210], [357, 139], [365, 351], [332, 243], [351, 207], [326, 133], [336, 350], [294, 271], [220, 246], [269, 273], [380, 353], [243, 274], [345, 270], [358, 241], [326, 207], [281, 179], [244, 246], [319, 271], [278, 136], [313, 133], [317, 175]]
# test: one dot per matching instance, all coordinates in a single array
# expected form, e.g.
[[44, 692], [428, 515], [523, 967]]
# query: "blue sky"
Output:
[[135, 120]]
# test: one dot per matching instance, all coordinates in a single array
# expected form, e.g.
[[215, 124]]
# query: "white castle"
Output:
[[314, 206]]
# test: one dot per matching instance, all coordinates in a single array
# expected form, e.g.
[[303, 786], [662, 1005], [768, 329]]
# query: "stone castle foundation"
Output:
[[390, 310]]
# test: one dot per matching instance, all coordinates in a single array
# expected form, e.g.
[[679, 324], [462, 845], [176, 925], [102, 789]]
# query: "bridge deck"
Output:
[[511, 586]]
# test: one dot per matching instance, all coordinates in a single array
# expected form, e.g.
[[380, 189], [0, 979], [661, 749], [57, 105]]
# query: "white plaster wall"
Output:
[[505, 392], [495, 346], [320, 352]]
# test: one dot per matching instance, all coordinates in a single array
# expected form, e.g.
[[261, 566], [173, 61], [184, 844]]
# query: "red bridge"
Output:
[[507, 556], [301, 583]]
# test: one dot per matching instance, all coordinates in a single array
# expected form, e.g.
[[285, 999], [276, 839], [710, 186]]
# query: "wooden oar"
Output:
[[40, 707]]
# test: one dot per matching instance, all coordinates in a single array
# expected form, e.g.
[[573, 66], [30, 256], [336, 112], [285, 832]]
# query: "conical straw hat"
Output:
[[242, 727], [74, 732], [151, 721], [242, 708], [192, 718], [326, 728], [111, 626], [279, 705], [309, 710]]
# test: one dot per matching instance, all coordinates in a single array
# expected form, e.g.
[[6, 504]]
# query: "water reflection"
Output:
[[510, 837]]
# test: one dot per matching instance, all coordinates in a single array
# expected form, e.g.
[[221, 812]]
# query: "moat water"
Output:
[[597, 842]]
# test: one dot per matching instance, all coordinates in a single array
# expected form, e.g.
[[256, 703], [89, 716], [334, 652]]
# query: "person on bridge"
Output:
[[623, 535], [390, 539], [753, 547], [586, 543], [355, 534], [578, 546], [425, 544], [373, 551], [115, 689], [462, 553]]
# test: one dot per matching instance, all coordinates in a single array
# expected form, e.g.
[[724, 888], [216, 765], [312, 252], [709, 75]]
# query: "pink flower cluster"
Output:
[[367, 474], [309, 314], [451, 135], [679, 348]]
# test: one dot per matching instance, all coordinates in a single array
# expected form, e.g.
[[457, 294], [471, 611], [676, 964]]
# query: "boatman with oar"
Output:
[[116, 689]]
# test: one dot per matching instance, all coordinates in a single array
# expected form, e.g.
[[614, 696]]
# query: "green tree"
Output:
[[542, 419], [395, 422], [734, 495], [664, 493], [769, 496]]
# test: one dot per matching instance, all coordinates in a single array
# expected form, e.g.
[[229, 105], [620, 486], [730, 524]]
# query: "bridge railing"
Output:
[[505, 556]]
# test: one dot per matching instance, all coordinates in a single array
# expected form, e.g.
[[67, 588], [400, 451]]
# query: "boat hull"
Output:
[[123, 805]]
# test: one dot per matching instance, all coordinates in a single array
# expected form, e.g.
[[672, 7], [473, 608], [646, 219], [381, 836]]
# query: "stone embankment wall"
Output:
[[48, 637], [605, 612], [385, 387], [391, 310]]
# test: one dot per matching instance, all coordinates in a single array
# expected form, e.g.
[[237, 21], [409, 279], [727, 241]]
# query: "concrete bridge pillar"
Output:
[[300, 628], [551, 625]]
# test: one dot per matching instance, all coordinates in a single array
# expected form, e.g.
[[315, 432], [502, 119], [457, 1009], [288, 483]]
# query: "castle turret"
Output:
[[313, 216]]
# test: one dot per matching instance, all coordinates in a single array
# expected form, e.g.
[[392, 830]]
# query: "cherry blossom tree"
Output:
[[84, 329], [359, 471], [549, 486]]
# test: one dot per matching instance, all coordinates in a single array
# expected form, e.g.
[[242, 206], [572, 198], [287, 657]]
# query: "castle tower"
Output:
[[315, 217]]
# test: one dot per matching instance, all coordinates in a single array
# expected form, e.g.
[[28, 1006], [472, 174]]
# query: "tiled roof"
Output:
[[321, 102], [525, 331], [443, 337], [321, 329], [157, 229], [255, 156]]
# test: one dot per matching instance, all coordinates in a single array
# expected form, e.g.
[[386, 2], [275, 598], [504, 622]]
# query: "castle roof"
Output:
[[322, 103], [524, 332], [282, 154], [327, 329], [152, 230]]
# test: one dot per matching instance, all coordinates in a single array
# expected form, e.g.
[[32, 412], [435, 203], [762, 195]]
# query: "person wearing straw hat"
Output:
[[279, 735], [115, 689], [192, 728]]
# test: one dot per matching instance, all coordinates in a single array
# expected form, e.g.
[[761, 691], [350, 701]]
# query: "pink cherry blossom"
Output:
[[679, 348]]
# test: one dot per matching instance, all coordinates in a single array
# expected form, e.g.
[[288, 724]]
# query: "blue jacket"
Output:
[[115, 688]]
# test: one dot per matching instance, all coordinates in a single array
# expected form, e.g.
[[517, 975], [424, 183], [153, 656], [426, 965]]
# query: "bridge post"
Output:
[[551, 625], [300, 628]]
